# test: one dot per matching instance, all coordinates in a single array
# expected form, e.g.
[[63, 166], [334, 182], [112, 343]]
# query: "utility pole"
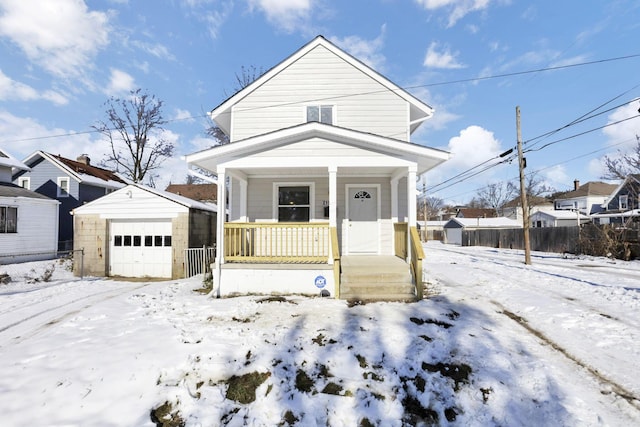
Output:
[[523, 193]]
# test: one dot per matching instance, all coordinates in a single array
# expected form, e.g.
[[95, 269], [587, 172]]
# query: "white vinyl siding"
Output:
[[321, 77], [37, 227]]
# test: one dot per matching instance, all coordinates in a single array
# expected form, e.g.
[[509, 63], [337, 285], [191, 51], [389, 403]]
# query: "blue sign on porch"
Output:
[[320, 282]]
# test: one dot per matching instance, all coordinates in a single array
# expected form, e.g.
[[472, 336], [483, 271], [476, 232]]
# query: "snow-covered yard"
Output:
[[498, 343]]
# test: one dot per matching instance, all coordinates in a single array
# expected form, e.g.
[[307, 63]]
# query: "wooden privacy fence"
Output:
[[546, 239], [198, 260], [277, 242]]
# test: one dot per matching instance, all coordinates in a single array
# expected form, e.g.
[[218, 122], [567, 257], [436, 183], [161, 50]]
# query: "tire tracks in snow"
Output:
[[616, 388], [68, 308]]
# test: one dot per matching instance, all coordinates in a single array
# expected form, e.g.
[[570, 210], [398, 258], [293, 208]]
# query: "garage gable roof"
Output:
[[100, 205]]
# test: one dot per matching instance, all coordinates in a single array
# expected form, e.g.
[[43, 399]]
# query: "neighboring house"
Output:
[[28, 220], [321, 178], [587, 198], [563, 218], [476, 213], [205, 193], [513, 208], [71, 182], [139, 231], [623, 202], [455, 226]]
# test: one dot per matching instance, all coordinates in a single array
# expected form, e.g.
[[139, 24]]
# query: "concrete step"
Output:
[[376, 279]]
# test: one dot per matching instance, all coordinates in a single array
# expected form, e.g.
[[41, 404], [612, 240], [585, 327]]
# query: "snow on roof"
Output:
[[185, 201], [7, 159], [500, 222], [561, 214]]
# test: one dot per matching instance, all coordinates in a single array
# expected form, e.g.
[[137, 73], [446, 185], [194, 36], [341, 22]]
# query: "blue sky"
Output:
[[60, 61]]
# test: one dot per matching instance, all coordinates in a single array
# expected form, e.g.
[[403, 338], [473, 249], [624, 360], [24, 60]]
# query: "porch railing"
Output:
[[400, 239], [277, 242]]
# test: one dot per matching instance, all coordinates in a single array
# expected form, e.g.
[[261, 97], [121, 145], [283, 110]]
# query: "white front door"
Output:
[[363, 214]]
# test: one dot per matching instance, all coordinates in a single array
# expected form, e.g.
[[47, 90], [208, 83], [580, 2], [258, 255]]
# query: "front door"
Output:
[[363, 219]]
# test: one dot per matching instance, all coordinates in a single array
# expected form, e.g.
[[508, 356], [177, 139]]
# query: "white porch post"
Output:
[[394, 199], [333, 201], [221, 217], [411, 206], [243, 200]]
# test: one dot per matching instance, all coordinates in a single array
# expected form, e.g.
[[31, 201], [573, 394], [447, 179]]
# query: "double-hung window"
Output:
[[294, 203], [320, 113], [624, 202], [8, 219], [63, 186]]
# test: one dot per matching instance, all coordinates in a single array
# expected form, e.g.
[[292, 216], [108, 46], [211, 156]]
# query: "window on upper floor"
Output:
[[63, 186], [320, 113], [25, 182], [623, 202], [8, 219]]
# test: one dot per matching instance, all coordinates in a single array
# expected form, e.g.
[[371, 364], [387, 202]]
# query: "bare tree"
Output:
[[429, 206], [495, 195], [134, 129], [624, 164], [247, 76]]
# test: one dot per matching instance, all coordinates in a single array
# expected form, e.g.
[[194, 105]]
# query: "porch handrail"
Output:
[[417, 255], [282, 242]]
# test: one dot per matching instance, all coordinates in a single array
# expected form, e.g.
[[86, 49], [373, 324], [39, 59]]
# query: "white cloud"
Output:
[[185, 115], [471, 147], [158, 50], [120, 82], [14, 90], [22, 136], [556, 177], [437, 57], [287, 15], [367, 51], [458, 9], [213, 13], [61, 36], [623, 134]]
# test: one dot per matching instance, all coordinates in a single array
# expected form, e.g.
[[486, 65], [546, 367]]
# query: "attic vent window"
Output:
[[320, 113]]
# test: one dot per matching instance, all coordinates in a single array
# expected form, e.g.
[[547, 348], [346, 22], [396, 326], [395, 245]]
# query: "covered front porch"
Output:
[[301, 200], [307, 255]]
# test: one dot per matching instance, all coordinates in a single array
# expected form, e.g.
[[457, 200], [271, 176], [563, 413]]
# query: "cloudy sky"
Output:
[[570, 66]]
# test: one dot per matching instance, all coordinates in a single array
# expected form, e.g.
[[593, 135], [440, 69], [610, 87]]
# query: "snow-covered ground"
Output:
[[498, 343]]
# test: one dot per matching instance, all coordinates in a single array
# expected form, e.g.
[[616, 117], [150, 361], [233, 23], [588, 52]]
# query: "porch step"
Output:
[[376, 278]]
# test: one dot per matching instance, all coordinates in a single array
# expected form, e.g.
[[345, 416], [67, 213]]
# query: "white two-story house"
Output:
[[320, 177]]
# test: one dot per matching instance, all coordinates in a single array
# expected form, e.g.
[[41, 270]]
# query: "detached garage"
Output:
[[139, 231]]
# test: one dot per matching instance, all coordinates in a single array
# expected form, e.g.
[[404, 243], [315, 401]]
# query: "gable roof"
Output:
[[591, 188], [425, 157], [623, 184], [8, 160], [560, 214], [95, 205], [500, 222], [199, 192], [81, 172], [476, 213], [419, 111]]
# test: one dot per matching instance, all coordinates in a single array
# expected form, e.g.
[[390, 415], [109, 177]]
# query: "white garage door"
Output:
[[454, 236], [140, 248]]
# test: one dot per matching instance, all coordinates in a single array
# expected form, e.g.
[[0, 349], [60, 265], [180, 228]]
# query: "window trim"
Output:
[[25, 180], [623, 202], [60, 191], [319, 106], [312, 196], [14, 230]]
